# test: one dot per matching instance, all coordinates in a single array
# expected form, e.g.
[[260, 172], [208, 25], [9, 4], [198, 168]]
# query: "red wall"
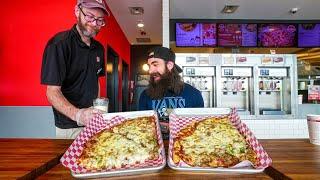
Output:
[[25, 28]]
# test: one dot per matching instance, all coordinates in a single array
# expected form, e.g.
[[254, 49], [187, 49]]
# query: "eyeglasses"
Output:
[[91, 19]]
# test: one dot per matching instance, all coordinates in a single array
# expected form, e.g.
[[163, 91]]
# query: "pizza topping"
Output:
[[133, 141], [213, 142]]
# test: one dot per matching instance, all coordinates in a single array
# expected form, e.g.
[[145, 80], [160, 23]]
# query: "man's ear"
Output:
[[170, 65], [76, 11]]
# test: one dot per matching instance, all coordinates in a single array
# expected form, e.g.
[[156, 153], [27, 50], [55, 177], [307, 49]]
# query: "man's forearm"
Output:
[[59, 102]]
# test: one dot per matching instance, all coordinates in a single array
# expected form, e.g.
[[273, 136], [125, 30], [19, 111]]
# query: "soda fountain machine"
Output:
[[274, 91], [202, 78], [235, 87]]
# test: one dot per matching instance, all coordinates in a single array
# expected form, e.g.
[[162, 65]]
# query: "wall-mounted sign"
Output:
[[313, 93]]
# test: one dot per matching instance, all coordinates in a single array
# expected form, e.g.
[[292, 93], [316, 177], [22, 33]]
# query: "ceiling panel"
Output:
[[205, 9]]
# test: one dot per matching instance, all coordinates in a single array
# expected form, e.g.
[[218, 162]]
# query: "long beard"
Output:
[[168, 82], [84, 31]]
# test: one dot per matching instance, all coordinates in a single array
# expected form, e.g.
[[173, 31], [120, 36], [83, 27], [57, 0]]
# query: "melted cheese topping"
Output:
[[131, 142], [213, 143]]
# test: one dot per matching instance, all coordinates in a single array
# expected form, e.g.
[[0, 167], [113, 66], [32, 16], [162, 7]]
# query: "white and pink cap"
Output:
[[94, 4]]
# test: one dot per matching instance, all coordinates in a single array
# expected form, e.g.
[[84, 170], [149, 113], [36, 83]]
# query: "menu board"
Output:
[[309, 35], [277, 35], [196, 34], [237, 35], [209, 37]]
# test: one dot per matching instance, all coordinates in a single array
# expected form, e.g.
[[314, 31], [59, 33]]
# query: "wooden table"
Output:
[[295, 159], [29, 158]]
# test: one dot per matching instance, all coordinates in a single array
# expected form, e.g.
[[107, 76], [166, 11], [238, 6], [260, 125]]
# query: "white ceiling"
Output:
[[205, 9], [152, 18]]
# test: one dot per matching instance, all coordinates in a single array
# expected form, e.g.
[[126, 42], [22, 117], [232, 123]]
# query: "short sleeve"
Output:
[[53, 70]]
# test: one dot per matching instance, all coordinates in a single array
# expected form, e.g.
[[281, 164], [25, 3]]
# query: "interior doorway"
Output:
[[112, 80], [125, 86]]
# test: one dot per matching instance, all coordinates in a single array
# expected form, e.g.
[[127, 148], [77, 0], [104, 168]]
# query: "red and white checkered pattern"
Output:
[[178, 122], [69, 159]]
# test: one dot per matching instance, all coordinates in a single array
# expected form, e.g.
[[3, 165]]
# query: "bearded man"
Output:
[[72, 63], [166, 90]]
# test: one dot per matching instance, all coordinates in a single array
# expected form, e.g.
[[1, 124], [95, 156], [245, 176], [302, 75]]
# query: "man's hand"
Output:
[[84, 115], [58, 101]]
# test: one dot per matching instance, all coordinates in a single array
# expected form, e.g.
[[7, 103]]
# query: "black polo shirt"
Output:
[[68, 62]]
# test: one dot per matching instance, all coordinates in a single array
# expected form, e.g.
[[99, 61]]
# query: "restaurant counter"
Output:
[[31, 158]]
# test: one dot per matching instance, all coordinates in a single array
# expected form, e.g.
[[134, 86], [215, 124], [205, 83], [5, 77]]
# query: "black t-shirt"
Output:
[[68, 62]]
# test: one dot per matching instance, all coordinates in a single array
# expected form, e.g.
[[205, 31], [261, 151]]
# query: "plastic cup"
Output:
[[314, 128], [101, 104]]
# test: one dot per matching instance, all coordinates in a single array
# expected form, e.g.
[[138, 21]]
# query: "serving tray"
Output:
[[107, 121], [180, 118]]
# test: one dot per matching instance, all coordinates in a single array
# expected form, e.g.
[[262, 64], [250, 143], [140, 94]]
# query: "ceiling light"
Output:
[[307, 67], [229, 9], [145, 67], [140, 24]]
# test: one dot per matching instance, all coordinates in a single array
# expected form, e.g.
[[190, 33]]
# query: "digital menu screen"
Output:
[[309, 35], [237, 35], [277, 35], [196, 34]]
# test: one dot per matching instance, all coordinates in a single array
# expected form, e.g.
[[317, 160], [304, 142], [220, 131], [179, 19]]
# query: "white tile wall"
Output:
[[278, 128]]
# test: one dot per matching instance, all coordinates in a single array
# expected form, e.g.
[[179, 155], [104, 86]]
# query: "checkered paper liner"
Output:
[[178, 122], [97, 124]]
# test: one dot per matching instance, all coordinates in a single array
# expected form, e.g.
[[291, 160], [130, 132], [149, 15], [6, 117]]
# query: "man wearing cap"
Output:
[[166, 90], [71, 65]]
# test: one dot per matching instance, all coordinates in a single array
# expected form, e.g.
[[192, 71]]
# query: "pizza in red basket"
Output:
[[213, 142], [131, 142]]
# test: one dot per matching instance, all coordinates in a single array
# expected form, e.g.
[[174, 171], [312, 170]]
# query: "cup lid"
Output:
[[101, 99], [313, 115]]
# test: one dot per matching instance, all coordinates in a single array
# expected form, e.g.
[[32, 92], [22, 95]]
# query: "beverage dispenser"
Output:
[[235, 88], [274, 91], [202, 78]]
